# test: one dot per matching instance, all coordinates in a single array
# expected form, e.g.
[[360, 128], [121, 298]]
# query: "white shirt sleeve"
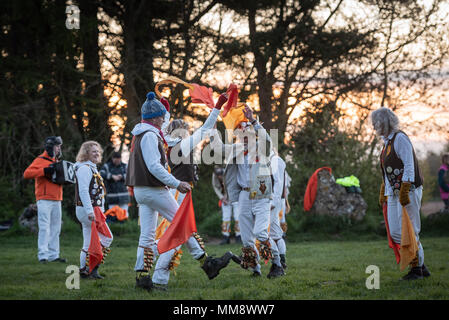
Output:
[[278, 172], [188, 144], [152, 158], [166, 122], [84, 176], [404, 150]]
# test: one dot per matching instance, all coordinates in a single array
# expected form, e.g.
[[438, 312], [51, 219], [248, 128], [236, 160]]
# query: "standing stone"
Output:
[[332, 199], [28, 219]]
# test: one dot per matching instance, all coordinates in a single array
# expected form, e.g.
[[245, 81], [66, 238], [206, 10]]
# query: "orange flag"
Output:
[[95, 250], [409, 245], [201, 94], [233, 117], [181, 227]]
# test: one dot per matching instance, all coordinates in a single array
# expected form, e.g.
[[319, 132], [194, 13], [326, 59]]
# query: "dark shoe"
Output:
[[225, 240], [160, 287], [84, 273], [59, 260], [144, 282], [414, 274], [212, 266], [283, 264], [95, 275], [425, 271], [238, 239], [275, 271], [256, 274], [43, 261]]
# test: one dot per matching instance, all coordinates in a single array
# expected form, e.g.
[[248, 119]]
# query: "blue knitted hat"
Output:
[[152, 107]]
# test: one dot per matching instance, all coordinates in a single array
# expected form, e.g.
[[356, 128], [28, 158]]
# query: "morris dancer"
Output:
[[443, 180], [402, 183], [89, 197], [181, 163], [148, 175], [228, 209], [277, 207], [285, 207], [247, 178]]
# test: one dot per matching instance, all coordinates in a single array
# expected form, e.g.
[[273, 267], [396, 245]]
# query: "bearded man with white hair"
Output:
[[402, 183]]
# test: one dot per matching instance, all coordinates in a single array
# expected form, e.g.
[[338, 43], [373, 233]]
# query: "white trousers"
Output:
[[394, 214], [49, 223], [161, 273], [284, 206], [229, 211], [86, 225], [254, 218], [275, 226], [151, 202]]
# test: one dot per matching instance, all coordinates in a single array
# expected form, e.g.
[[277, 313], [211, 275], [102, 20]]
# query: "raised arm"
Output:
[[260, 131], [188, 144]]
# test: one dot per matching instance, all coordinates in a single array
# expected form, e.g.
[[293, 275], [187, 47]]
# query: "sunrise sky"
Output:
[[418, 118]]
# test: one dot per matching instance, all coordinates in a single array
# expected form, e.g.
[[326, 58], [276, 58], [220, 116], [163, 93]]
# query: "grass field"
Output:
[[316, 270]]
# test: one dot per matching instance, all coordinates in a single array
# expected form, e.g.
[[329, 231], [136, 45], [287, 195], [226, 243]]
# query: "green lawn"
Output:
[[316, 270]]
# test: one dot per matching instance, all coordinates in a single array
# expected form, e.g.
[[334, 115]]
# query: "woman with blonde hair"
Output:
[[89, 196]]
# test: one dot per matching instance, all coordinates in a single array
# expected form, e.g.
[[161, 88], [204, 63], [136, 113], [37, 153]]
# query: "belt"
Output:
[[246, 189]]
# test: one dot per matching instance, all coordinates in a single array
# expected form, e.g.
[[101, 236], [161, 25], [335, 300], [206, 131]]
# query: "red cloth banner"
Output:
[[181, 227], [95, 249], [310, 195]]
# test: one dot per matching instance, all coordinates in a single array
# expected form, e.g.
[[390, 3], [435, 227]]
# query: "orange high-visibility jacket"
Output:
[[44, 188]]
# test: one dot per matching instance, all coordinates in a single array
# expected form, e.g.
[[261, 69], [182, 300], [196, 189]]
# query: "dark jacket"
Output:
[[116, 191]]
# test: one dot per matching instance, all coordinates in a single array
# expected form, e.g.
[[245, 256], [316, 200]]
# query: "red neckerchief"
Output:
[[160, 132]]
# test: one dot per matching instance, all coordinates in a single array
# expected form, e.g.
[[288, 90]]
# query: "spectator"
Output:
[[114, 174], [443, 180], [48, 200]]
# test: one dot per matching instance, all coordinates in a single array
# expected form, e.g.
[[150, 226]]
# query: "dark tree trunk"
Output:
[[95, 103]]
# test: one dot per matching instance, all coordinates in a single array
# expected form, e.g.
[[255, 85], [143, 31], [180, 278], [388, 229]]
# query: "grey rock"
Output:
[[332, 199], [28, 218]]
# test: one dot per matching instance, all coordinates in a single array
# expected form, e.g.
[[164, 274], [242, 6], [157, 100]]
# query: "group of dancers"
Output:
[[252, 184], [161, 179]]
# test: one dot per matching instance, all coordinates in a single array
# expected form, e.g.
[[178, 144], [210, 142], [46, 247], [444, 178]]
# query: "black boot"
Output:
[[425, 271], [275, 271], [414, 274], [283, 264], [212, 266], [256, 274], [84, 272], [143, 280], [225, 240], [94, 274]]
